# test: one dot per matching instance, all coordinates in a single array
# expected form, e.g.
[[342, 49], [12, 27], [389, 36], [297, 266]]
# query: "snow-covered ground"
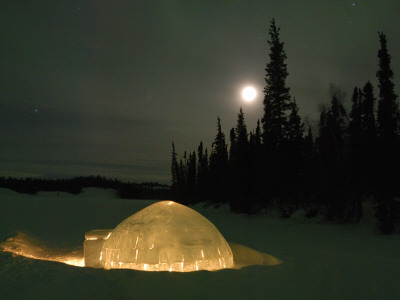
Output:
[[321, 261]]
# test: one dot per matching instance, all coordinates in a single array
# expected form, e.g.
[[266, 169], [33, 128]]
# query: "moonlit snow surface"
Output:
[[321, 260], [166, 236]]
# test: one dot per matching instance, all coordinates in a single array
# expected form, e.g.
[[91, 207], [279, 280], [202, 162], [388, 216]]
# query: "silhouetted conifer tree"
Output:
[[257, 135], [388, 161], [256, 162], [368, 146], [174, 172], [174, 166], [368, 124], [295, 128], [181, 179], [276, 105], [355, 118], [331, 146], [191, 180], [309, 178], [202, 173], [291, 163], [388, 113], [240, 168], [355, 162], [232, 140], [219, 166], [276, 93]]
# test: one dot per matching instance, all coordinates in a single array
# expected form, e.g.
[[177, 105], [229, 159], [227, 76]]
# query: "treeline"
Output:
[[354, 156], [145, 190]]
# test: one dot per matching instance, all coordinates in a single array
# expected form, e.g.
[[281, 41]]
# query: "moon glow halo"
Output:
[[249, 94]]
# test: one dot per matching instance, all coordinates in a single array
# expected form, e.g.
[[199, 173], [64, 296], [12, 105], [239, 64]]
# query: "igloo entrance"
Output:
[[165, 236]]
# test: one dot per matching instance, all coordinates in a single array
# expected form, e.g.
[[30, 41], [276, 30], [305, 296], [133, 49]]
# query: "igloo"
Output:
[[165, 236]]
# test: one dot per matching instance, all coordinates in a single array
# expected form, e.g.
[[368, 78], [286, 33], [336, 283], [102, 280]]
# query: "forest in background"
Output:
[[125, 190], [353, 157]]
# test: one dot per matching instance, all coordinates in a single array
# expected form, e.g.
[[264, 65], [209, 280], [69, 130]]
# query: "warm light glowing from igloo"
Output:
[[165, 236], [23, 245]]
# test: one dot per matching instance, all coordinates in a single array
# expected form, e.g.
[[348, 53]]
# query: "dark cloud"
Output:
[[105, 86]]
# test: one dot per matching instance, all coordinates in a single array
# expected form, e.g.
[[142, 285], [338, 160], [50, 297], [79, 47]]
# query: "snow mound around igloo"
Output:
[[166, 236]]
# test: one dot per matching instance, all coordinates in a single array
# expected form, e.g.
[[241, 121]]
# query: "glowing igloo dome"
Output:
[[166, 236]]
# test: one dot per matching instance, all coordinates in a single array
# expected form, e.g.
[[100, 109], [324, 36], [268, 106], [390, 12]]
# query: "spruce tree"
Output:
[[368, 124], [276, 93], [176, 176], [174, 168], [274, 121], [355, 160], [191, 179], [202, 173], [242, 142], [295, 128], [181, 181], [257, 162], [257, 134], [232, 148], [387, 159], [309, 171], [331, 146], [219, 154], [368, 141], [240, 168], [292, 153], [388, 113], [355, 136], [219, 166], [355, 118]]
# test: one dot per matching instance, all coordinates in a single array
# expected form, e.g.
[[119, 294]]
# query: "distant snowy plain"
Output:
[[321, 260]]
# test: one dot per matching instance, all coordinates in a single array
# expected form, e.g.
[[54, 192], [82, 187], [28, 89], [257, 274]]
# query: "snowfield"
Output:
[[320, 260]]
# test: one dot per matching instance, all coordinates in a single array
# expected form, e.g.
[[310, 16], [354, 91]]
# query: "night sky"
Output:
[[103, 87]]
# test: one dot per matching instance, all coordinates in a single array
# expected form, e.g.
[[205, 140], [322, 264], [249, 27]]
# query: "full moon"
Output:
[[249, 93]]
